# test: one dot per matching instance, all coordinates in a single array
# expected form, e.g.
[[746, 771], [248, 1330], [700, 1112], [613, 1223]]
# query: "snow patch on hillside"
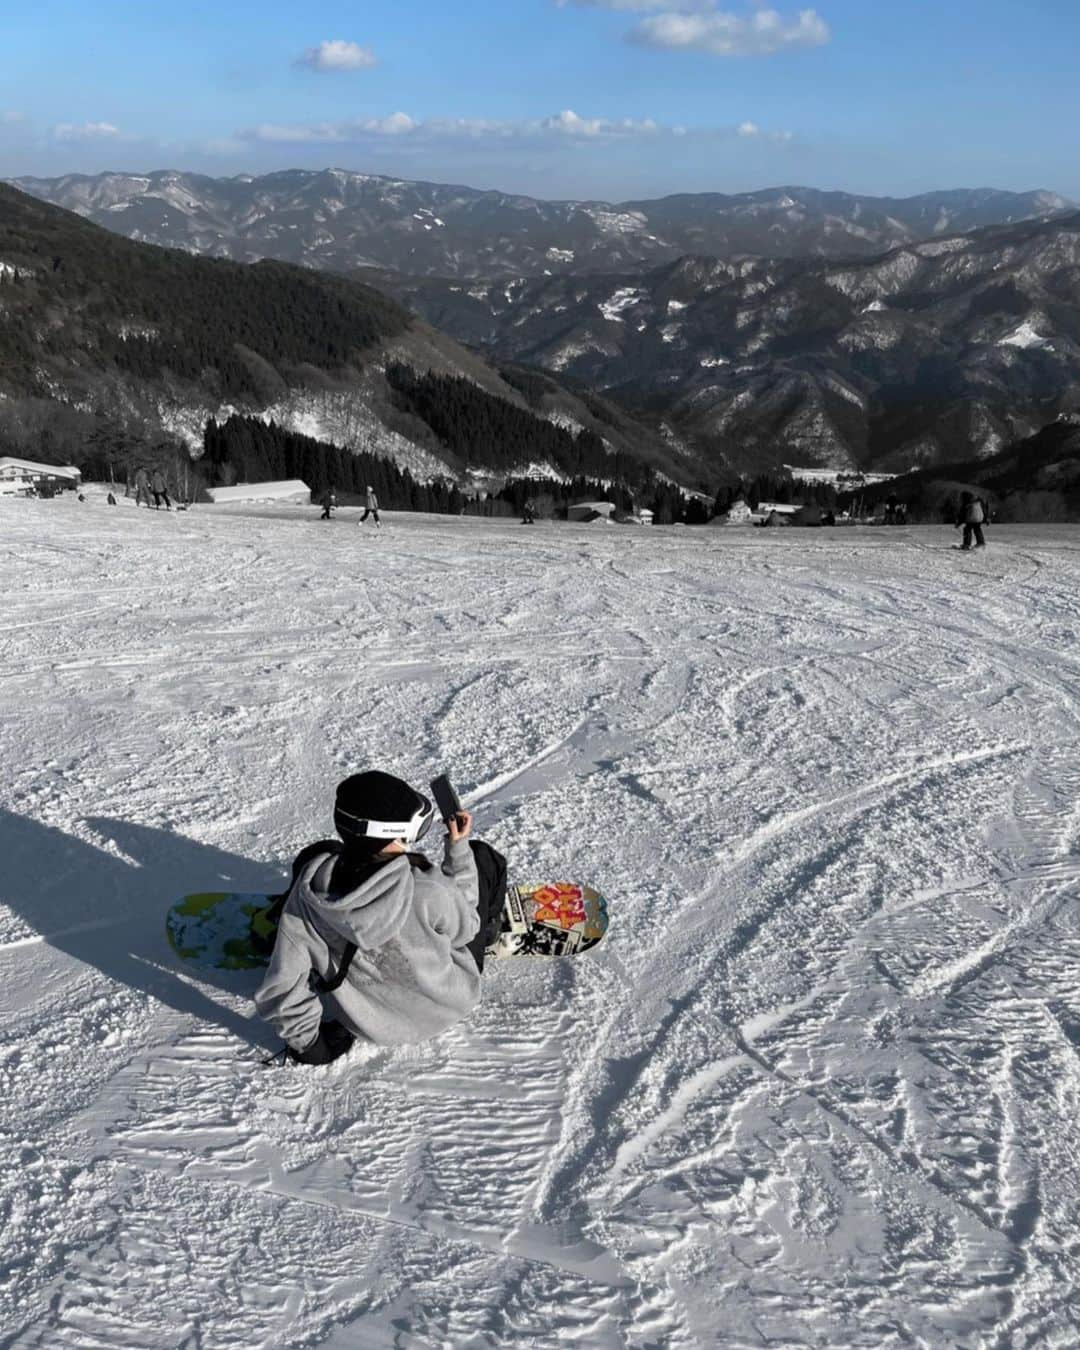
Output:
[[612, 308], [559, 418], [617, 222], [1026, 337], [936, 248]]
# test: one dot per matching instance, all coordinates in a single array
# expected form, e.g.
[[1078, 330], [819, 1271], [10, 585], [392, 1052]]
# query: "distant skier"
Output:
[[327, 501], [142, 486], [111, 499], [160, 489], [397, 944], [371, 507], [971, 517]]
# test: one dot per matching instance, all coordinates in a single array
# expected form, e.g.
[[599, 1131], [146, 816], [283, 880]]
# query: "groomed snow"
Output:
[[819, 1086]]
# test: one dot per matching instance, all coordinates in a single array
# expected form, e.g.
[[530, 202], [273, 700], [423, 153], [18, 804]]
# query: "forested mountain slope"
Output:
[[105, 339]]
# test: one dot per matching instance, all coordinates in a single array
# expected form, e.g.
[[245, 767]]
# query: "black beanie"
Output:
[[372, 795]]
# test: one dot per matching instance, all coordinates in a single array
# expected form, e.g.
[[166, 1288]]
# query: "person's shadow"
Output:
[[108, 911]]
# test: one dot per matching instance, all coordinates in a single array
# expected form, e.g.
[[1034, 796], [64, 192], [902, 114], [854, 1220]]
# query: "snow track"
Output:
[[818, 1087]]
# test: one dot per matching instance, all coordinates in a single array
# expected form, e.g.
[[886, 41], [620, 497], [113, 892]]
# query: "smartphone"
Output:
[[446, 799]]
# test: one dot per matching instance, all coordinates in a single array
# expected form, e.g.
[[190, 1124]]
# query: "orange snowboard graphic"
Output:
[[553, 918]]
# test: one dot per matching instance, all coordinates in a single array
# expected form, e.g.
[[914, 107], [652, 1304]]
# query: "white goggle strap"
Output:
[[409, 830]]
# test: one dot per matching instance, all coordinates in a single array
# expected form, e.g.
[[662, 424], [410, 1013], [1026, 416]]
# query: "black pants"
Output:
[[975, 530], [491, 867], [158, 496], [370, 511], [325, 513]]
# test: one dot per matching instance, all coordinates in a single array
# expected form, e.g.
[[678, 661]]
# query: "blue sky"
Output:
[[555, 98]]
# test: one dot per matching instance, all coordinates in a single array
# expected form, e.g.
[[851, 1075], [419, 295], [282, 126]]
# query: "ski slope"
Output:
[[819, 1086]]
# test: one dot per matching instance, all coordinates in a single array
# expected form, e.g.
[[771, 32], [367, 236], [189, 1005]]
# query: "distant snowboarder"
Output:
[[327, 501], [371, 507], [160, 489], [971, 517], [399, 944], [142, 486]]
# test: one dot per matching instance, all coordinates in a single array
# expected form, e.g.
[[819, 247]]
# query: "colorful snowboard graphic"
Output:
[[552, 918], [221, 930]]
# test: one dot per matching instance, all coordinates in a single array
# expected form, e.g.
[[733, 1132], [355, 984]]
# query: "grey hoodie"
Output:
[[412, 975]]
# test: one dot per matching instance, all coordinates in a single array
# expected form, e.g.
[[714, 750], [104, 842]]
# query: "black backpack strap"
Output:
[[338, 978]]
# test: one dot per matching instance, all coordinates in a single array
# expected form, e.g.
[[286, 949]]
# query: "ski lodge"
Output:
[[290, 490], [589, 512], [25, 477]]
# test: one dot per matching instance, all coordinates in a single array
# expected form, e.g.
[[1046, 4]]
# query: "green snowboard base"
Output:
[[556, 918]]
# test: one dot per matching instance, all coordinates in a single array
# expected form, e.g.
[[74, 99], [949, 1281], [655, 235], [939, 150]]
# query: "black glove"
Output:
[[331, 1043]]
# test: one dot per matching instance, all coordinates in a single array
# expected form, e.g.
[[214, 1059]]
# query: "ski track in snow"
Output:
[[820, 1085]]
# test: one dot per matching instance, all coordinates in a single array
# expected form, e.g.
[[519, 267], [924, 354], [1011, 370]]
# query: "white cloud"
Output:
[[562, 126], [565, 127], [337, 56], [641, 6], [332, 133], [85, 131], [720, 33]]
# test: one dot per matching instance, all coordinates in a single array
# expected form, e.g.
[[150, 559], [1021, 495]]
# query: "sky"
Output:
[[611, 99]]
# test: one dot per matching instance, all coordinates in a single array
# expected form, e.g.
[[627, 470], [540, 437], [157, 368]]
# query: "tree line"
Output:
[[481, 430]]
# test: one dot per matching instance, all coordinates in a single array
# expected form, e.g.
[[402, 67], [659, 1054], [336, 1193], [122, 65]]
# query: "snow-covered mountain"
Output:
[[945, 349], [102, 337], [340, 221]]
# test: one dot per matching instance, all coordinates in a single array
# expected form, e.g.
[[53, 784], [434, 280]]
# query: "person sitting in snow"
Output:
[[397, 944]]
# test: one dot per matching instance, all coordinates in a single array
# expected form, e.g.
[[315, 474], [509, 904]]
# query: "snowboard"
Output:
[[223, 930]]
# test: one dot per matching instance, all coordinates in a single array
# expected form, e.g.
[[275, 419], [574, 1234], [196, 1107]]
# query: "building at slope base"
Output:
[[25, 477], [289, 490]]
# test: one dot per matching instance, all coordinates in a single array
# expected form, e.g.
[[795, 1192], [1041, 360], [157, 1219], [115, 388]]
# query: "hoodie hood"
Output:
[[369, 915]]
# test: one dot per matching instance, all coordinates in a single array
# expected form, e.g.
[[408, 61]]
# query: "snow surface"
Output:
[[819, 1086]]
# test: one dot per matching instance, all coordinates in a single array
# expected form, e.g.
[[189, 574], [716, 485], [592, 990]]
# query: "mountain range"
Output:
[[939, 350], [340, 221], [103, 337], [934, 350]]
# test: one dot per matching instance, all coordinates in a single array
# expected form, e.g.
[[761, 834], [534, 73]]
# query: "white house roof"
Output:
[[261, 492], [600, 507], [29, 466]]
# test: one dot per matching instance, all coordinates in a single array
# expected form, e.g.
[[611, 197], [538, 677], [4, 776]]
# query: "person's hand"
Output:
[[459, 826]]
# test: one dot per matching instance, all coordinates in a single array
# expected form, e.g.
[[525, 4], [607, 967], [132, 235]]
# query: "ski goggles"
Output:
[[411, 830]]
